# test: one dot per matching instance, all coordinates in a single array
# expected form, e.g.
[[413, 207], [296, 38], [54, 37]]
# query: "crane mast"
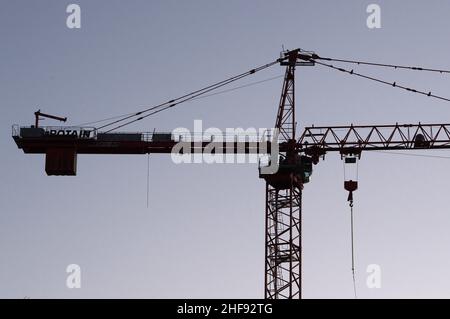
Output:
[[283, 204]]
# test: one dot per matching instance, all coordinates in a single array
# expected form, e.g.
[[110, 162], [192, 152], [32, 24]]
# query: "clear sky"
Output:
[[202, 235]]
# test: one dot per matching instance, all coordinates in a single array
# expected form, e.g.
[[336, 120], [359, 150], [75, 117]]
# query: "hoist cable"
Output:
[[353, 249], [148, 177], [352, 226]]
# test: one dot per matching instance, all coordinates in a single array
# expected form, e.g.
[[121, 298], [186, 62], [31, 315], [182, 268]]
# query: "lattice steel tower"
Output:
[[284, 197]]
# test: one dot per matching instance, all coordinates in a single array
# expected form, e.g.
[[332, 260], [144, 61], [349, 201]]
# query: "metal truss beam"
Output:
[[375, 137]]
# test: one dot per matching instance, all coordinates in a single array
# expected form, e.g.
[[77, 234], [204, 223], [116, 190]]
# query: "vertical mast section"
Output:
[[286, 110], [283, 198]]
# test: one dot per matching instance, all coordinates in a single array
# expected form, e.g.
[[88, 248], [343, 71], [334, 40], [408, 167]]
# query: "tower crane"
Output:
[[296, 157]]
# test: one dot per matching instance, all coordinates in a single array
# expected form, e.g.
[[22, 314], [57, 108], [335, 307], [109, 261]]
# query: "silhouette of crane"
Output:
[[295, 159]]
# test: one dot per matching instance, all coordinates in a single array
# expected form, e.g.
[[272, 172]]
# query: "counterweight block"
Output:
[[61, 161]]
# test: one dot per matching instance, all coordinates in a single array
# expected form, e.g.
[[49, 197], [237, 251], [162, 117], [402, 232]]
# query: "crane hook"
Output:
[[350, 186]]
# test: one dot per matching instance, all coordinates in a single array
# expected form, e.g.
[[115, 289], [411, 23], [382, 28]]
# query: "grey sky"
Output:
[[203, 234]]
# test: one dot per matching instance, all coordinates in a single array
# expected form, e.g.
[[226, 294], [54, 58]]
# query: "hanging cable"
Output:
[[186, 97], [394, 84], [353, 248], [148, 177], [394, 66], [350, 162]]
